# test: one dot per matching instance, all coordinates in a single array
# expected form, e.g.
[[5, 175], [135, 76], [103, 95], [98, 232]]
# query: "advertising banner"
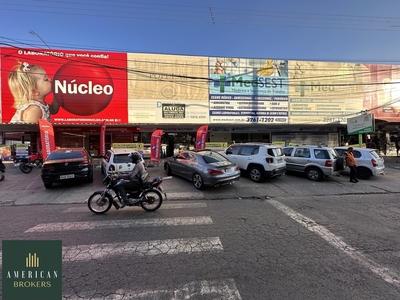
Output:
[[156, 145], [103, 139], [248, 91], [201, 137], [174, 87], [46, 138], [72, 86], [382, 97]]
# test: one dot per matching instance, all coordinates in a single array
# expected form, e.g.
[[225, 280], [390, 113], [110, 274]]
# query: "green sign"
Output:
[[32, 270]]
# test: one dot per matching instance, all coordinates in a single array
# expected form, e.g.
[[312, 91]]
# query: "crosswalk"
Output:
[[161, 249]]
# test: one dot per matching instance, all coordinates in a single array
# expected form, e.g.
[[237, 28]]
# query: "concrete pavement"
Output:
[[25, 189]]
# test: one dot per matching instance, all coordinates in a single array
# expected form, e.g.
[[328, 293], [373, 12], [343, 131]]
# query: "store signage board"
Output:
[[361, 124]]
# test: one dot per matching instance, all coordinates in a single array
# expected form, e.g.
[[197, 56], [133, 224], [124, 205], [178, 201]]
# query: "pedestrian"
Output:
[[397, 143], [351, 163]]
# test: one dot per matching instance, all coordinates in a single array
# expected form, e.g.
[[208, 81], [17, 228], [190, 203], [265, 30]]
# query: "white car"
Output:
[[369, 163], [117, 161], [260, 160]]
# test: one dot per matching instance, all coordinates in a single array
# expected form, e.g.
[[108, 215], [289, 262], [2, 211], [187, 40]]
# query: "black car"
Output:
[[67, 164]]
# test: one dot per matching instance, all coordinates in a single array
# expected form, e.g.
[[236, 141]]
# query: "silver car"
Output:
[[203, 168], [315, 162]]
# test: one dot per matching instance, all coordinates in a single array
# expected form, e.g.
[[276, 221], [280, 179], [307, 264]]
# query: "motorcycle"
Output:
[[151, 195], [34, 160], [2, 169]]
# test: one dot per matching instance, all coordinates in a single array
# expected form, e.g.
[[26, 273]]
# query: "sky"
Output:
[[363, 31]]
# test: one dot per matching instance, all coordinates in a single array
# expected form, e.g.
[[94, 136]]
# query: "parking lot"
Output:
[[22, 189]]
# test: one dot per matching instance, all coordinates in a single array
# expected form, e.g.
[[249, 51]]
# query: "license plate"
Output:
[[67, 176]]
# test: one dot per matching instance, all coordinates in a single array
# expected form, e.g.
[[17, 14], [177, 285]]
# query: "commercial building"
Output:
[[240, 99]]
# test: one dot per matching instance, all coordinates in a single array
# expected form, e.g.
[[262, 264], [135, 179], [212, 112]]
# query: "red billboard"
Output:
[[63, 86]]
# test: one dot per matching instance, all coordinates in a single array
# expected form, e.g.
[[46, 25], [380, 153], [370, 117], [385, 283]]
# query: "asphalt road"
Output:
[[305, 240]]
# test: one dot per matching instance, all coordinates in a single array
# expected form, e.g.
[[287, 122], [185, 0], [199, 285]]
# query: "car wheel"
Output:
[[168, 169], [48, 185], [256, 174], [314, 174], [197, 181], [363, 173]]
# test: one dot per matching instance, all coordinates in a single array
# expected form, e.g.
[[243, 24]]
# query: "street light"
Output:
[[34, 33]]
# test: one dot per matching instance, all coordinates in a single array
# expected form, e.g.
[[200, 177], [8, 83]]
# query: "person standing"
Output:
[[351, 163]]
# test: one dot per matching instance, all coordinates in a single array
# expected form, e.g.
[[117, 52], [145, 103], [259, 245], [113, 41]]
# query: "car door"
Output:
[[245, 156], [178, 164], [232, 153], [299, 159]]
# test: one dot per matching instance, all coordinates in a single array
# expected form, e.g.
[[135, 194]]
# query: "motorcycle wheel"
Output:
[[99, 203], [25, 168], [151, 200], [38, 163]]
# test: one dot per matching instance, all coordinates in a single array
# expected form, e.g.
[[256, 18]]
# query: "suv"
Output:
[[369, 163], [117, 160], [259, 159], [314, 161]]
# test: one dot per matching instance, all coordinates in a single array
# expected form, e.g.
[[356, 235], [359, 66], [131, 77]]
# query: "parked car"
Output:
[[369, 163], [146, 151], [260, 160], [315, 162], [203, 168], [117, 161], [66, 164]]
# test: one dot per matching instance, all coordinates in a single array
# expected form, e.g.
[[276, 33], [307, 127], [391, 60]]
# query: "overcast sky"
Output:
[[322, 30]]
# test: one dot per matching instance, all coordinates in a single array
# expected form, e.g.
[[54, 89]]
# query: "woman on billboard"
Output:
[[29, 86]]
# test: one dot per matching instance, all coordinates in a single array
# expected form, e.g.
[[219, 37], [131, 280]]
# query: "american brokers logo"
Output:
[[32, 270]]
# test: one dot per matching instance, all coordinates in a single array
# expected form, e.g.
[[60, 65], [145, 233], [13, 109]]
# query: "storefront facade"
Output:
[[240, 99]]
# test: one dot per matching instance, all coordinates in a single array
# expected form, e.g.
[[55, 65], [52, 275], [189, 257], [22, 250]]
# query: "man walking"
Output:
[[351, 163]]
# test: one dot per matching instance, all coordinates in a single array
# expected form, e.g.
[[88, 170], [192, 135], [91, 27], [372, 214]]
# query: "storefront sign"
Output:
[[88, 87]]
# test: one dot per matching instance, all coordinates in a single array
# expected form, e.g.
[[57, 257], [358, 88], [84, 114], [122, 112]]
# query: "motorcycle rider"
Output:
[[134, 178]]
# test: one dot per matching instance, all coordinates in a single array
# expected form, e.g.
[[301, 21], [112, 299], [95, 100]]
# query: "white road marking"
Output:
[[215, 289], [141, 248], [386, 274], [163, 206], [47, 227]]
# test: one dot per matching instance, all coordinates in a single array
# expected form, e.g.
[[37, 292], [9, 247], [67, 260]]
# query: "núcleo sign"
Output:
[[361, 124]]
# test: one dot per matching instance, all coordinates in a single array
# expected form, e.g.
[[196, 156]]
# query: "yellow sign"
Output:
[[134, 146], [211, 145]]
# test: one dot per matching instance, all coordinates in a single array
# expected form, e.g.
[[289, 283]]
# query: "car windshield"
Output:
[[121, 158], [65, 155], [212, 157]]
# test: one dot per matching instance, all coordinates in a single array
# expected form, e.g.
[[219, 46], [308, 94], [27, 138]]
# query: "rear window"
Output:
[[374, 154], [321, 154], [121, 158], [213, 157], [275, 152], [65, 155]]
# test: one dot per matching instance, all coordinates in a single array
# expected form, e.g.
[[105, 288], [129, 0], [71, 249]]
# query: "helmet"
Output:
[[135, 156]]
